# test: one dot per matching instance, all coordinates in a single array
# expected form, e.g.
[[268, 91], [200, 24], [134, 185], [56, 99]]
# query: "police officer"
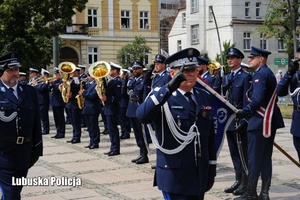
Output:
[[203, 71], [185, 167], [123, 119], [262, 125], [235, 86], [22, 78], [72, 106], [20, 134], [135, 91], [42, 89], [58, 106], [111, 99], [33, 76], [91, 111], [291, 80], [162, 76]]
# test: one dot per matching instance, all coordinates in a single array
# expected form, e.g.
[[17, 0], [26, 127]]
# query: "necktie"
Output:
[[189, 96], [12, 91]]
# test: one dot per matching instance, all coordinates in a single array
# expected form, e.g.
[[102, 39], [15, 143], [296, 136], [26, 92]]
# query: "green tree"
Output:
[[133, 51], [278, 23], [28, 26]]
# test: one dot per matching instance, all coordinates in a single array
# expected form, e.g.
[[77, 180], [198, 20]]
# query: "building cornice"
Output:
[[247, 21]]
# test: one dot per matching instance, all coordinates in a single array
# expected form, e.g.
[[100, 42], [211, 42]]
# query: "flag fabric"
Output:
[[224, 113]]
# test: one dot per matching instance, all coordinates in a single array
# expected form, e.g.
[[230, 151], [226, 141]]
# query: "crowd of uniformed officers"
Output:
[[163, 105]]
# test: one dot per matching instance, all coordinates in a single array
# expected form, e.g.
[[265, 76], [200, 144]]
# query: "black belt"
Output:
[[17, 139]]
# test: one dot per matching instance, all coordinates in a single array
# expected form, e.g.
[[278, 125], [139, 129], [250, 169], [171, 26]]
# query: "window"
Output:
[[194, 6], [183, 20], [210, 14], [144, 20], [247, 41], [146, 60], [93, 17], [179, 47], [92, 54], [195, 36], [125, 19], [281, 45], [263, 42], [247, 8], [257, 10]]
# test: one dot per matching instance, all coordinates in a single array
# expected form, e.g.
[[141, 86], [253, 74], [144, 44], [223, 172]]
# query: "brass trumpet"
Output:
[[99, 70], [66, 68]]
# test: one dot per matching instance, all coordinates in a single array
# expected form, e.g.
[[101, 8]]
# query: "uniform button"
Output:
[[20, 127], [1, 108], [178, 116], [166, 166], [161, 95]]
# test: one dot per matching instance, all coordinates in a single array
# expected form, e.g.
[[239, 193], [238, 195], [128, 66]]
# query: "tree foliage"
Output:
[[278, 23], [226, 46], [135, 51], [28, 26]]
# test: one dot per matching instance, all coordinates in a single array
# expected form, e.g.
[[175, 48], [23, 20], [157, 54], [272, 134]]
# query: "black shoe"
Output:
[[94, 147], [104, 132], [125, 137], [153, 166], [88, 146], [114, 153], [83, 125], [59, 137], [142, 160], [55, 136], [45, 133], [75, 141], [134, 160], [106, 153], [71, 141]]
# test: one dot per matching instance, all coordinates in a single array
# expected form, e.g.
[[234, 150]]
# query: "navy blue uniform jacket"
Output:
[[92, 100], [12, 155], [283, 90], [178, 173]]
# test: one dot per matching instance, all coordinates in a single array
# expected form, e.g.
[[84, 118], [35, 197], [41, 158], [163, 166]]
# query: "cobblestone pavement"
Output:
[[104, 177]]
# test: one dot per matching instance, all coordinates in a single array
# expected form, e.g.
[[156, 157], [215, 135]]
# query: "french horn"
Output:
[[66, 68]]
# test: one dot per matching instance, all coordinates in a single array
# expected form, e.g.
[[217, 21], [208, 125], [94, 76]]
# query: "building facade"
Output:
[[105, 26], [236, 20]]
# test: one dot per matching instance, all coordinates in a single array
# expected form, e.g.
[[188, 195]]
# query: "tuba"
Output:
[[99, 70], [66, 68], [212, 66]]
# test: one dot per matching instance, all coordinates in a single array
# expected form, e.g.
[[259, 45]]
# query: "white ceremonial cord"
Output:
[[178, 134], [295, 91], [7, 118]]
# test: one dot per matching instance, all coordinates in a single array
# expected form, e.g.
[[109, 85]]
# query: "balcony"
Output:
[[78, 29]]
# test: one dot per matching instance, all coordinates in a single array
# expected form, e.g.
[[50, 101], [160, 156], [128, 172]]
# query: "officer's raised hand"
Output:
[[175, 82], [293, 67]]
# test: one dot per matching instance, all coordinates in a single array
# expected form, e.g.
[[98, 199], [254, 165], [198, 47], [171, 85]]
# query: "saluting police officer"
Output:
[[111, 99], [136, 91], [186, 154], [291, 82], [235, 85], [20, 134], [58, 106], [262, 125]]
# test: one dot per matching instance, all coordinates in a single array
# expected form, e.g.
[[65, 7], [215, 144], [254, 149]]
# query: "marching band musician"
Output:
[[135, 91], [124, 121], [262, 125], [186, 155], [235, 85], [72, 106], [42, 89], [82, 77], [20, 134], [58, 106], [91, 111], [291, 80], [33, 76], [111, 99], [22, 78]]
